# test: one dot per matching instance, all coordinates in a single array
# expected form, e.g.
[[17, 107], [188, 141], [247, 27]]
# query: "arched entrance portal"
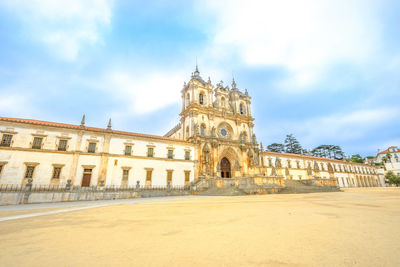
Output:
[[225, 168]]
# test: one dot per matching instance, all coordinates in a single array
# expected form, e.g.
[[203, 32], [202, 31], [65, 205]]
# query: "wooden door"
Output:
[[225, 168], [86, 179]]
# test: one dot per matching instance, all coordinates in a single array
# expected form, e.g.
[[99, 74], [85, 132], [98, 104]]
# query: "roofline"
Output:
[[93, 129]]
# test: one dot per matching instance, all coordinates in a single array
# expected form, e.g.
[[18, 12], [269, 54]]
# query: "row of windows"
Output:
[[62, 146], [30, 170], [321, 167], [87, 172]]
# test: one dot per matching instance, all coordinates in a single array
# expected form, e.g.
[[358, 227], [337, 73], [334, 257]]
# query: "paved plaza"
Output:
[[357, 227]]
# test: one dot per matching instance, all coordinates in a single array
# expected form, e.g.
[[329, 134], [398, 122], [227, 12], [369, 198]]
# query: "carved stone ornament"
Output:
[[309, 170], [213, 132], [273, 172], [218, 167], [316, 167], [278, 163], [237, 165]]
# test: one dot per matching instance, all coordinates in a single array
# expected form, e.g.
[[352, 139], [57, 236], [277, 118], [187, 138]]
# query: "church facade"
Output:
[[214, 139]]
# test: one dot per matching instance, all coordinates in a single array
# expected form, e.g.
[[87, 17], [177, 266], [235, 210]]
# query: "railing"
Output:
[[63, 188]]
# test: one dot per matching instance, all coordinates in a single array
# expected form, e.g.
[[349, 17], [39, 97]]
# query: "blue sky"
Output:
[[326, 71]]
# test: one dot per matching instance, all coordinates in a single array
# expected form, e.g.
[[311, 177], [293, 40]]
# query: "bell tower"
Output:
[[197, 95]]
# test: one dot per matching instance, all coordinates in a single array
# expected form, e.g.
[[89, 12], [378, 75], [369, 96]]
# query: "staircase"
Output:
[[300, 187]]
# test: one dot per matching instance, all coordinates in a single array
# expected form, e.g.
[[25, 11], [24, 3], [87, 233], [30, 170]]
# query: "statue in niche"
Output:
[[309, 170], [237, 166], [273, 172], [316, 167], [254, 139], [213, 132], [250, 155], [278, 163], [195, 129], [330, 168], [256, 157], [287, 172], [206, 154]]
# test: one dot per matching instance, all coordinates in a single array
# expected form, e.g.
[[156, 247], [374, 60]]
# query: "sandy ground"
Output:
[[357, 227]]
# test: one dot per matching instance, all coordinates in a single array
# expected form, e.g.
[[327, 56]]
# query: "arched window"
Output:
[[201, 98], [241, 108], [202, 130], [187, 131]]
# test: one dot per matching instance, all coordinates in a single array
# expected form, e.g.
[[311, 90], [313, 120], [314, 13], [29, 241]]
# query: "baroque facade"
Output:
[[214, 139]]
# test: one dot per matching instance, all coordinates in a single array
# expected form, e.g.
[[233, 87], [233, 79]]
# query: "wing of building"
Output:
[[214, 139]]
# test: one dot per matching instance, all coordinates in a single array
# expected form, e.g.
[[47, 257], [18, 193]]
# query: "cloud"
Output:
[[345, 127], [63, 25], [16, 105], [304, 37], [144, 92]]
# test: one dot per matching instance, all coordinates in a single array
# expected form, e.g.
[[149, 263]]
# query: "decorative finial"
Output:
[[262, 148], [109, 125], [245, 91], [83, 121], [196, 72], [209, 80], [233, 83]]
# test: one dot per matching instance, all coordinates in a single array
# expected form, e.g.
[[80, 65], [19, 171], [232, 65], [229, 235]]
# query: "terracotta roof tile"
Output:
[[94, 129], [387, 150]]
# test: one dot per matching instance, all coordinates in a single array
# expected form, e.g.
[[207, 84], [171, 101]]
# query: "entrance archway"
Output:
[[225, 168]]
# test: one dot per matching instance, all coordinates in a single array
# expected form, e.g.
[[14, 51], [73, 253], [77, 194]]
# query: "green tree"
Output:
[[357, 158], [292, 145], [392, 178], [275, 147], [328, 151]]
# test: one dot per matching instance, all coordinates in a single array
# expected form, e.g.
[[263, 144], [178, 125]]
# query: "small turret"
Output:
[[233, 84], [109, 125], [83, 121]]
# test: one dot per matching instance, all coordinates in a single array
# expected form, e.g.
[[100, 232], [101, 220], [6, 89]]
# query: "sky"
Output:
[[327, 72]]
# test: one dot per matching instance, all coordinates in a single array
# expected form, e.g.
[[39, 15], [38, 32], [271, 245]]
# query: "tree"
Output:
[[357, 158], [328, 151], [292, 145], [275, 147], [392, 178]]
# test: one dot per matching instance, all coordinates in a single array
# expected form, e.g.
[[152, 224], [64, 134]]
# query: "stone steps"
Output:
[[298, 187]]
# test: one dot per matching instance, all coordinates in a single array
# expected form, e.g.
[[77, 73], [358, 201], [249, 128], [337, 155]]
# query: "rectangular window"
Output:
[[128, 150], [37, 142], [62, 145], [29, 171], [169, 177], [150, 152], [187, 177], [148, 177], [56, 172], [187, 155], [6, 140], [92, 148], [125, 174], [170, 154], [1, 169]]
